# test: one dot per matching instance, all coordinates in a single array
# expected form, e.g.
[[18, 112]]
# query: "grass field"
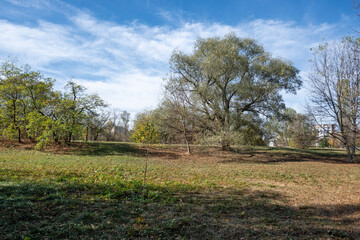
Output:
[[95, 191]]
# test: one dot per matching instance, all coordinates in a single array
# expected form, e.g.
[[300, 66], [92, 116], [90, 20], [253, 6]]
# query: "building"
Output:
[[324, 130]]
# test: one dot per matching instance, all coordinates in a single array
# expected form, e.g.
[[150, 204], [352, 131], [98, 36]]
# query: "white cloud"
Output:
[[125, 64], [39, 4], [128, 91]]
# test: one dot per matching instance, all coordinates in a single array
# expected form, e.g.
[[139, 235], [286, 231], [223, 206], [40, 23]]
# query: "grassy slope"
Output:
[[96, 192]]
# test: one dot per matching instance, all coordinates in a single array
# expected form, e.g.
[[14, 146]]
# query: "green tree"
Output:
[[76, 108], [252, 131], [145, 130], [224, 78], [22, 91], [31, 109], [39, 94], [12, 100], [324, 143]]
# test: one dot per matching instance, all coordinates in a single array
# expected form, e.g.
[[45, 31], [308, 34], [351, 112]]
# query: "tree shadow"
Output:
[[117, 148], [109, 148], [275, 155], [80, 211]]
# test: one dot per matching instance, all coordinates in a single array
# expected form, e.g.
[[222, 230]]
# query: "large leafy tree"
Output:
[[225, 78], [24, 94]]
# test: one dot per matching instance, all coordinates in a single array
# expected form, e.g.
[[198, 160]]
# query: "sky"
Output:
[[120, 49]]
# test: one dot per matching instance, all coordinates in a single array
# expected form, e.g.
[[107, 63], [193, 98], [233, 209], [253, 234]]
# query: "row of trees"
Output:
[[290, 129], [223, 91], [227, 91], [31, 109]]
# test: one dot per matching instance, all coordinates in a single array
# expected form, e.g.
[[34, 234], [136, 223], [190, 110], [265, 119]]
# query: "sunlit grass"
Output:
[[97, 191]]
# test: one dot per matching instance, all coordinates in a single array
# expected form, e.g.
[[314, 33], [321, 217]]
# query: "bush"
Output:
[[324, 143]]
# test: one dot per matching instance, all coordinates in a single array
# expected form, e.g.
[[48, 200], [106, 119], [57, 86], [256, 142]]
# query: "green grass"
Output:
[[96, 192]]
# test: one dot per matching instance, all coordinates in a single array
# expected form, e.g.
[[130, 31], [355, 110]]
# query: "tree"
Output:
[[278, 127], [31, 109], [251, 132], [145, 130], [290, 129], [174, 116], [23, 94], [117, 127], [302, 134], [124, 124], [225, 78], [95, 124], [39, 91], [12, 99], [335, 79], [77, 107]]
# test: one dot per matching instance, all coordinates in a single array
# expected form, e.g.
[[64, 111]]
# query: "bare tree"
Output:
[[174, 113], [96, 124], [117, 126], [335, 79], [124, 124]]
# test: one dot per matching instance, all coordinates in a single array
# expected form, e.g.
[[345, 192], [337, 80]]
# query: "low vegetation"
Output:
[[95, 191]]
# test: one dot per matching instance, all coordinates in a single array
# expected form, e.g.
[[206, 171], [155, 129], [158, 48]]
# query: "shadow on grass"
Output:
[[108, 148], [71, 211], [279, 155]]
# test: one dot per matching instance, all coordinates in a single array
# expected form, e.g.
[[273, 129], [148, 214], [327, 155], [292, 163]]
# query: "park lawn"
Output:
[[95, 191]]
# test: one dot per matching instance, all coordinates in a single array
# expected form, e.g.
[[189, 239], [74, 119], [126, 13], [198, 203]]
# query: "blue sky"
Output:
[[120, 49]]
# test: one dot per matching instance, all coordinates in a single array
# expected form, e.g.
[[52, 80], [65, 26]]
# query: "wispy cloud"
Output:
[[39, 4], [125, 64]]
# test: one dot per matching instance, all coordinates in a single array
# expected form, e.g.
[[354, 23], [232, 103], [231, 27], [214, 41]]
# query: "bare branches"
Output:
[[335, 79]]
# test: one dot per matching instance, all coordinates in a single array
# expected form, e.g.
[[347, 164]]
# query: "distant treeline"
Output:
[[31, 109]]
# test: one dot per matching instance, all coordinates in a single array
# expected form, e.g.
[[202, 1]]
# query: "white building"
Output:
[[324, 130]]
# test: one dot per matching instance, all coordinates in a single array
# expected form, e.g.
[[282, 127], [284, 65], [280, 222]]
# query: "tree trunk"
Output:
[[87, 134], [351, 153], [186, 140], [225, 145], [69, 137], [19, 135], [187, 146]]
